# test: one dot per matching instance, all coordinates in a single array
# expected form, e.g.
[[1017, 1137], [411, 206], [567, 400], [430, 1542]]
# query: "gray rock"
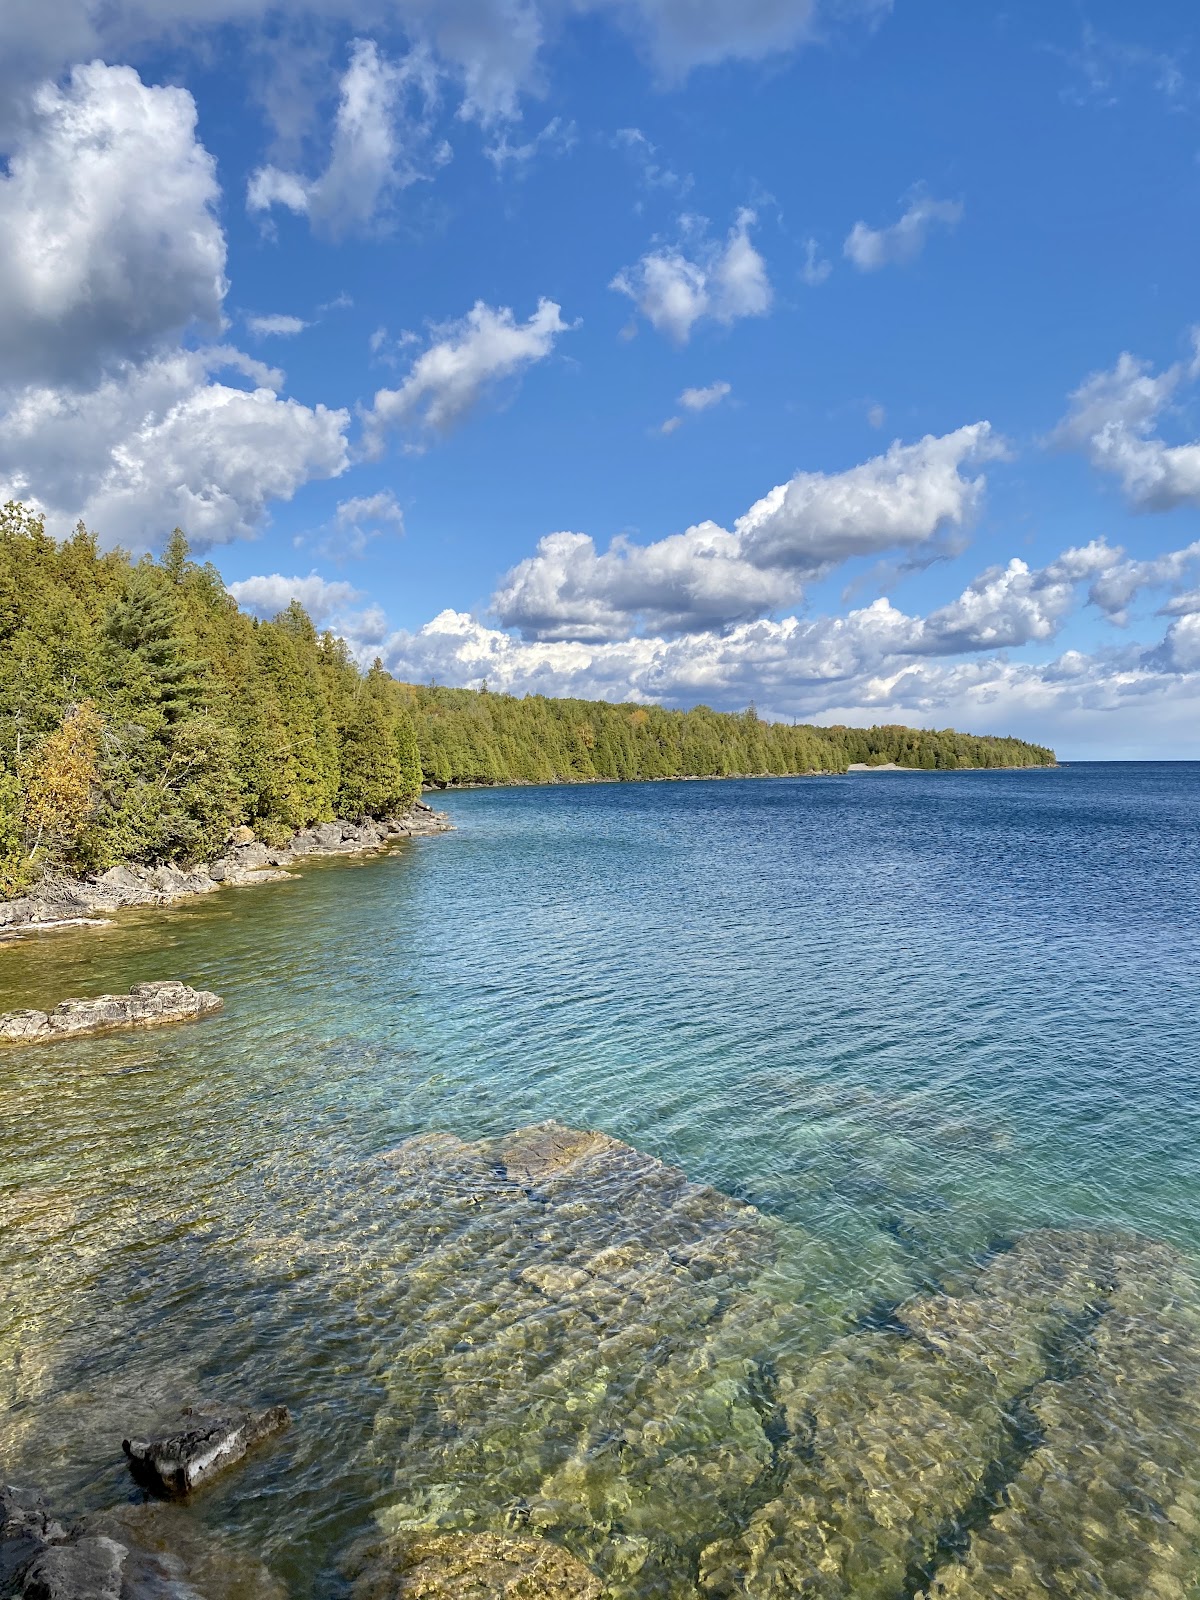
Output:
[[86, 1569], [177, 1462], [26, 1529], [146, 1003], [70, 902]]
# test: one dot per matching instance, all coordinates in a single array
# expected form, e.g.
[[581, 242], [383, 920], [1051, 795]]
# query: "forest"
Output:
[[143, 715]]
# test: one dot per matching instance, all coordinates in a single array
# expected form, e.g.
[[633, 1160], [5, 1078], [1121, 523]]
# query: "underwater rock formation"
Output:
[[1037, 1436], [483, 1566], [168, 1000], [604, 1355], [178, 1462]]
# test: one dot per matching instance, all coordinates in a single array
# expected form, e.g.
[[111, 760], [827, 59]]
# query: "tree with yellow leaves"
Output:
[[61, 782]]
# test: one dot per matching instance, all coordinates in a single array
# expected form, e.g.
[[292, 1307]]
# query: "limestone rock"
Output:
[[177, 1462], [168, 1000], [85, 1569], [479, 1566]]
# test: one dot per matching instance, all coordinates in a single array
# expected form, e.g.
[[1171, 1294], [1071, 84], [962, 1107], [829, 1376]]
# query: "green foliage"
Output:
[[142, 715], [470, 737]]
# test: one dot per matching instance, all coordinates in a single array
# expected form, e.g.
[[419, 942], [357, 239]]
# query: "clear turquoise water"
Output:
[[903, 1015]]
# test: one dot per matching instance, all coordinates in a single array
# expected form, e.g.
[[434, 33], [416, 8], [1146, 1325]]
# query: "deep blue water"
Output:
[[906, 1015]]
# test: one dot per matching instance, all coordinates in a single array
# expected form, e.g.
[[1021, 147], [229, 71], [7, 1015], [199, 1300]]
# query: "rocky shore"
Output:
[[76, 902], [145, 1005]]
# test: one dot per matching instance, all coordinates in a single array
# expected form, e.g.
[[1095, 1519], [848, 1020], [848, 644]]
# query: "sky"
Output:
[[840, 357]]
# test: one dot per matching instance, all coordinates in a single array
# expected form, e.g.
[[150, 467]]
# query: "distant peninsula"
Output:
[[145, 720]]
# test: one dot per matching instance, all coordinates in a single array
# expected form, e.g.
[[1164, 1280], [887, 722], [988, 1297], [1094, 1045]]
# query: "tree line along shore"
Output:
[[143, 716]]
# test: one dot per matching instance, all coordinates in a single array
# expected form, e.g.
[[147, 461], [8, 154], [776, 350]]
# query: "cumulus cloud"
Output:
[[382, 142], [466, 358], [1112, 419], [163, 444], [722, 282], [111, 242], [871, 248], [687, 581], [276, 326], [713, 577], [874, 663], [901, 499], [267, 596]]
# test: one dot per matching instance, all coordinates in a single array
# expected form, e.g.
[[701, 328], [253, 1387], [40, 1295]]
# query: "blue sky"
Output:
[[838, 357]]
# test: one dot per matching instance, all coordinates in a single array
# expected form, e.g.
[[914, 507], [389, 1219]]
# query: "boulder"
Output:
[[177, 1462], [27, 1528], [85, 1569], [167, 1000]]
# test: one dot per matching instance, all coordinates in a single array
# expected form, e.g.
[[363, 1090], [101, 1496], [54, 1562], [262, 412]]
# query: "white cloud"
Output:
[[267, 596], [1112, 418], [702, 399], [364, 510], [871, 248], [674, 291], [491, 47], [876, 416], [466, 358], [816, 268], [710, 577], [904, 498], [276, 325], [683, 34], [161, 444], [687, 581], [874, 664], [382, 143], [107, 212], [645, 154], [557, 138]]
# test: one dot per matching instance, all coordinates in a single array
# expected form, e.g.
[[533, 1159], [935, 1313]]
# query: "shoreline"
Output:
[[89, 902], [725, 777]]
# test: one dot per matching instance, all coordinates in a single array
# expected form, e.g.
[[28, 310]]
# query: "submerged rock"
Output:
[[177, 1462], [1038, 1436], [85, 1569], [482, 1566], [577, 1362], [27, 1528], [146, 1003], [172, 1557]]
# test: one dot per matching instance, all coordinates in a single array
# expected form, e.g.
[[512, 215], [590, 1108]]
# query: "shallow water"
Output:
[[908, 1017]]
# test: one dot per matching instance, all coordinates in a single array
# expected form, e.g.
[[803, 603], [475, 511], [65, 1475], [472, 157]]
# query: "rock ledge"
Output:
[[146, 1004]]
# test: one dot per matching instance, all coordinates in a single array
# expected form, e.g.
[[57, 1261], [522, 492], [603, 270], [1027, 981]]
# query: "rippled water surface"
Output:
[[938, 1030]]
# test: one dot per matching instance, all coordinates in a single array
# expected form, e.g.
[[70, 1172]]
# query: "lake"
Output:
[[938, 1030]]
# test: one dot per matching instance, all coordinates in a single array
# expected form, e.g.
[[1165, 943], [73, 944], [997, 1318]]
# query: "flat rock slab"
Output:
[[176, 1463], [168, 1000]]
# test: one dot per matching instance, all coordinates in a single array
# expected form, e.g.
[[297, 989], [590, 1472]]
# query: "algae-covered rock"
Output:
[[482, 1566], [579, 1350], [1107, 1502], [603, 1354], [1039, 1436]]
